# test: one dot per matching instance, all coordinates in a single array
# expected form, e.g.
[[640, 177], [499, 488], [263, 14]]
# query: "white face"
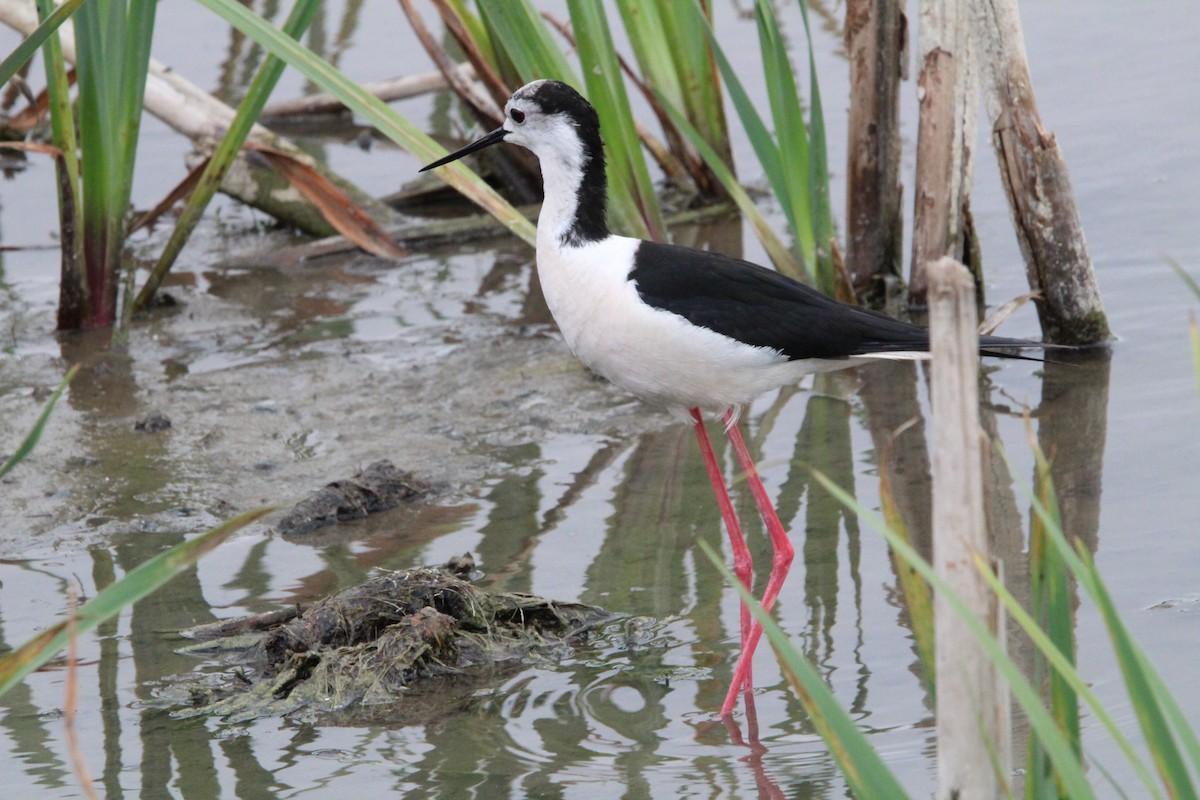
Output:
[[551, 137]]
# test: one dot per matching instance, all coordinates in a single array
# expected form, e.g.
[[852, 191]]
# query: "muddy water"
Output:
[[278, 380]]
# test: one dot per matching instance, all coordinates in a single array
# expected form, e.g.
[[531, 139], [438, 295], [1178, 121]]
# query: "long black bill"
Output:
[[495, 137]]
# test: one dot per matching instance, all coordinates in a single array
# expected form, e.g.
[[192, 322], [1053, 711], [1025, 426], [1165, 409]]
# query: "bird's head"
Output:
[[551, 119]]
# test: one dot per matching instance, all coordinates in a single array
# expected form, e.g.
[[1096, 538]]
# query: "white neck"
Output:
[[560, 181], [565, 163]]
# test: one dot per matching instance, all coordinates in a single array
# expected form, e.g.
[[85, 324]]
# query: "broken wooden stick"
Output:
[[875, 48], [948, 91], [1037, 183]]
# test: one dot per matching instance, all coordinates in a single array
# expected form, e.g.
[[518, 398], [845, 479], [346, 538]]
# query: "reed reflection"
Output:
[[1071, 422]]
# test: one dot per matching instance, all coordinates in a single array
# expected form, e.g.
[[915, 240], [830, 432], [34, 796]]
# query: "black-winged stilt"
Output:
[[686, 329]]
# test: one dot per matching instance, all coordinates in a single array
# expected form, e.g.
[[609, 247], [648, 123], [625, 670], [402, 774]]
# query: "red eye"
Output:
[[518, 116]]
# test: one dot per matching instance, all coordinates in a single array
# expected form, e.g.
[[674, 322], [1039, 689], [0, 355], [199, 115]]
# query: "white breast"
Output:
[[657, 355]]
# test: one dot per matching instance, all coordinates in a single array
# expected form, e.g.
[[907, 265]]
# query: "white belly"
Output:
[[656, 355]]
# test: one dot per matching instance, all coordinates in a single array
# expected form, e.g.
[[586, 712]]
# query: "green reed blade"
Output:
[[1147, 698], [474, 27], [1185, 276], [687, 40], [1152, 702], [671, 46], [113, 51], [35, 433], [1065, 669], [818, 172], [248, 111], [30, 44], [519, 30], [790, 131], [1180, 724], [675, 60], [606, 91], [1194, 335], [865, 772], [1051, 603], [917, 596], [73, 290], [135, 585], [650, 38], [373, 110], [138, 32], [97, 128], [780, 255], [1193, 326], [1058, 748], [757, 133], [770, 156]]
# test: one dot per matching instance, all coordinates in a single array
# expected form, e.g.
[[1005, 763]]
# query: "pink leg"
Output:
[[780, 565], [767, 786], [742, 566]]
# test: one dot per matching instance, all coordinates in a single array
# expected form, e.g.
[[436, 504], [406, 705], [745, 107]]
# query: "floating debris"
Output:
[[154, 423], [367, 645], [377, 488]]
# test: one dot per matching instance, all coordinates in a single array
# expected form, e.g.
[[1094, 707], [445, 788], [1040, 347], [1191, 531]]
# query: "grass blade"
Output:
[[373, 110], [31, 439], [1185, 276], [1193, 325], [134, 67], [606, 90], [698, 78], [519, 31], [790, 132], [1148, 701], [1179, 723], [471, 25], [135, 585], [30, 44], [781, 256], [1194, 335], [818, 172], [1051, 603], [917, 597], [786, 188], [1065, 669], [113, 54], [650, 41], [757, 132], [96, 128], [1058, 748], [73, 290], [676, 60], [1152, 702], [223, 157]]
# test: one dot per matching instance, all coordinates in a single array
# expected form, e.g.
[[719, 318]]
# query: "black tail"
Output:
[[1005, 347]]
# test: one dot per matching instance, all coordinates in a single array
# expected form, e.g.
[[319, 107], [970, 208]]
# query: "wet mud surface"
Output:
[[263, 385]]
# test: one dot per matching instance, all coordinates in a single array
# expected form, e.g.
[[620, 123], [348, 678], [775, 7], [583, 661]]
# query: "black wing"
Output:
[[763, 308]]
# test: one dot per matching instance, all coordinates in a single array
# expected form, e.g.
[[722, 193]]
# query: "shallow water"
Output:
[[278, 381]]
